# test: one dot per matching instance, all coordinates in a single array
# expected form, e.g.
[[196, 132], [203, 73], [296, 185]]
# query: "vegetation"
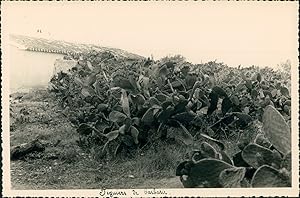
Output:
[[65, 165], [126, 107], [265, 162]]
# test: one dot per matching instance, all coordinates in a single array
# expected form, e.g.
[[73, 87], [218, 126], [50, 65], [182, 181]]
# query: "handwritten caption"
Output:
[[131, 192]]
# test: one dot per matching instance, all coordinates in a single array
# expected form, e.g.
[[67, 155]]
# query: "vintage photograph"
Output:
[[150, 98]]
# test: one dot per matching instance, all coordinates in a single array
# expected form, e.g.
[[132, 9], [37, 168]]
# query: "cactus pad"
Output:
[[232, 177], [277, 130], [205, 173], [256, 156], [207, 150], [262, 141], [267, 176]]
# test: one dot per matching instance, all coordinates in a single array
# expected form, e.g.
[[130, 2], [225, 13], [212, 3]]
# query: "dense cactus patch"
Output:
[[120, 105]]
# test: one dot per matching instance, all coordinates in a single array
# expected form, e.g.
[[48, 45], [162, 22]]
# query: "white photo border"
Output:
[[190, 192]]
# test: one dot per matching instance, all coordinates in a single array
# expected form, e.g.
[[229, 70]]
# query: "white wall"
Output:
[[30, 69]]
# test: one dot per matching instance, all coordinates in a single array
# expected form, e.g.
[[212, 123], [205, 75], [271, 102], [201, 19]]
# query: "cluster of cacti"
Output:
[[122, 104], [266, 162], [210, 168], [274, 162]]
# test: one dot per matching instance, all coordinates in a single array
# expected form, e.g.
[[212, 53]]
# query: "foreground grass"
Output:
[[63, 165]]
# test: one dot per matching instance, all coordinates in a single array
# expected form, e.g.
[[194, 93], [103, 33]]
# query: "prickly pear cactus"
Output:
[[207, 150], [205, 173], [276, 129], [262, 141], [267, 176], [232, 177], [256, 156]]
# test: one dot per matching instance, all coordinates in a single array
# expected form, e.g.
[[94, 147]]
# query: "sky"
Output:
[[236, 33]]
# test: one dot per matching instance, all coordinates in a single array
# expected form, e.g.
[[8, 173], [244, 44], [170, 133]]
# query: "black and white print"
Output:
[[134, 99]]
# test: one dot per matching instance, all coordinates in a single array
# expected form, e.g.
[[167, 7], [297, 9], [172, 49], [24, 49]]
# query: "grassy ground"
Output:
[[63, 165]]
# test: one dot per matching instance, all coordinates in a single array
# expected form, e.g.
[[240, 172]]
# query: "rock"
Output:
[[20, 151]]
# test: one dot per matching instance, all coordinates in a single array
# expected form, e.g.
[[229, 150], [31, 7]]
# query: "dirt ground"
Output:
[[64, 165]]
